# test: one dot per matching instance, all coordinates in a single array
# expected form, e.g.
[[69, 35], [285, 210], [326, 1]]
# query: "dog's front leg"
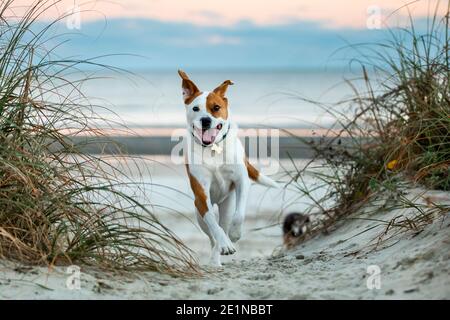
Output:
[[237, 224], [222, 244], [215, 252]]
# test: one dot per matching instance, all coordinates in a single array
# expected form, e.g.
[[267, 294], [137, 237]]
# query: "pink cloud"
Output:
[[331, 14]]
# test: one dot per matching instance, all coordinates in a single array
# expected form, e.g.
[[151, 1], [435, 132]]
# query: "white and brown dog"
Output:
[[218, 169]]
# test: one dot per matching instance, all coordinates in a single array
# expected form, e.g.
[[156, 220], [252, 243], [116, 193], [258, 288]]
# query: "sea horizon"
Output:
[[260, 98]]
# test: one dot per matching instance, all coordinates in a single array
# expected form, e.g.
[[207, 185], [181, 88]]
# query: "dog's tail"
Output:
[[256, 176]]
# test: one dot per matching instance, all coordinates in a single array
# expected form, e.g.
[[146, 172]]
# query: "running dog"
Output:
[[218, 169]]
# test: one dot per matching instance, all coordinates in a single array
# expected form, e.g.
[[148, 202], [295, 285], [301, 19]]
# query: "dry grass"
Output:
[[57, 204], [398, 131]]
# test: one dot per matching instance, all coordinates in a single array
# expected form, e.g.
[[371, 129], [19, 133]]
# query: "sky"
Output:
[[224, 34]]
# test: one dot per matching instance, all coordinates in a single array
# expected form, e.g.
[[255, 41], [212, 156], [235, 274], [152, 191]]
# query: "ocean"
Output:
[[259, 98]]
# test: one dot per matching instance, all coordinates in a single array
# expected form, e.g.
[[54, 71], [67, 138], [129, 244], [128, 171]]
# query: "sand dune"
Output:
[[335, 266]]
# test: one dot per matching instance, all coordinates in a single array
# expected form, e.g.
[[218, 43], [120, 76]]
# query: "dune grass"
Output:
[[398, 131], [58, 205]]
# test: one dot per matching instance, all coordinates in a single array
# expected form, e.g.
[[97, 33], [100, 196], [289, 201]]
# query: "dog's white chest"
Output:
[[217, 149], [222, 179]]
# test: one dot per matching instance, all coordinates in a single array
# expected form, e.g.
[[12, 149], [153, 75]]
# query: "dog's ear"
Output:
[[190, 90], [222, 89]]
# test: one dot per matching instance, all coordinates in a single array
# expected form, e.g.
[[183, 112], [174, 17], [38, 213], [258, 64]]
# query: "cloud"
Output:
[[201, 41], [209, 14], [329, 14], [243, 45], [217, 39]]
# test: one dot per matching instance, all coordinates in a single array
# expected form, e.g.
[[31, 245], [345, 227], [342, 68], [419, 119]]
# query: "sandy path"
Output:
[[324, 268], [334, 266]]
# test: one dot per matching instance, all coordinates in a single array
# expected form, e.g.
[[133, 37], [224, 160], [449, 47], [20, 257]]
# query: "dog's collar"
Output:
[[210, 145]]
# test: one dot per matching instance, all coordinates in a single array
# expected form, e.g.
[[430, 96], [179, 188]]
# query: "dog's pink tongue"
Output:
[[210, 135]]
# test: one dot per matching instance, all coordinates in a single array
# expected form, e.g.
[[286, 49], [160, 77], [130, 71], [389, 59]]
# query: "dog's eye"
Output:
[[216, 108], [196, 108]]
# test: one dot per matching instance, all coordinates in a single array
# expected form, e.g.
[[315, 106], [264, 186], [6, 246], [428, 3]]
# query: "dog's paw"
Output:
[[235, 235], [235, 232], [225, 247], [214, 263]]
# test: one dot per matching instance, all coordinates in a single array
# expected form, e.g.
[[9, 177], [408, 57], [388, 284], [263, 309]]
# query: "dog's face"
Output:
[[206, 112], [295, 224]]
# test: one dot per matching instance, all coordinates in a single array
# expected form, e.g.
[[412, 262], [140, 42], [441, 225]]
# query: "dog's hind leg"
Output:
[[214, 259], [226, 211], [237, 223]]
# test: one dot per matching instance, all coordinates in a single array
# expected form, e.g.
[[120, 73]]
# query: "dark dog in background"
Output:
[[294, 226]]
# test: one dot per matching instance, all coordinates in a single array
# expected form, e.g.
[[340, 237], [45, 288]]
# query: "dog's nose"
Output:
[[206, 122]]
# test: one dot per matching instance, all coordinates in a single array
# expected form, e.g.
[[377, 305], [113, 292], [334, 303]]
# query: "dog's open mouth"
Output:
[[207, 136]]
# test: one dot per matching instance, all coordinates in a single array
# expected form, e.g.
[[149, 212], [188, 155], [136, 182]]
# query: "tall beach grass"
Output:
[[58, 205], [398, 133]]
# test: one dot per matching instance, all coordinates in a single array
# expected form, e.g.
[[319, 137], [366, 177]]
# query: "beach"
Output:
[[349, 114], [330, 266]]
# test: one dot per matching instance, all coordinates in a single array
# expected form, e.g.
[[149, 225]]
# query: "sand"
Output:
[[340, 265]]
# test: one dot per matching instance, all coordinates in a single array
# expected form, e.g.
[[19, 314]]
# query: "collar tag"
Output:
[[216, 148]]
